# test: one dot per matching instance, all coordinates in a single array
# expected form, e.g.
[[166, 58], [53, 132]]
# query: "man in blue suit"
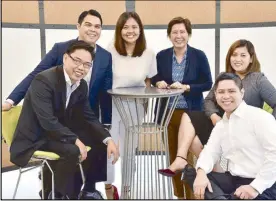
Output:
[[99, 80]]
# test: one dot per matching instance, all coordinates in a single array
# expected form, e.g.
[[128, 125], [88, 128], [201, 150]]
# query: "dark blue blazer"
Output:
[[197, 74], [101, 79]]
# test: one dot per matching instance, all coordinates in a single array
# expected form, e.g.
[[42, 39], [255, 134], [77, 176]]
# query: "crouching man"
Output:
[[56, 117], [246, 137]]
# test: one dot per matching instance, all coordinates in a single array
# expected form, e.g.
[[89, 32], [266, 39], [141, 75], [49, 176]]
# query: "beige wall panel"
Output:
[[147, 142], [161, 12], [20, 12], [248, 11], [110, 11]]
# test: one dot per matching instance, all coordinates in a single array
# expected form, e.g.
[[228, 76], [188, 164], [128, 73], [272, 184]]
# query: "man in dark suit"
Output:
[[56, 116], [99, 80]]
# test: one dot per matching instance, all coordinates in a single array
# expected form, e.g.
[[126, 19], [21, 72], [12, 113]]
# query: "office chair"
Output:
[[9, 123]]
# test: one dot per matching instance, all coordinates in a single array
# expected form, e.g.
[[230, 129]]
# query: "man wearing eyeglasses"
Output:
[[56, 117], [98, 78]]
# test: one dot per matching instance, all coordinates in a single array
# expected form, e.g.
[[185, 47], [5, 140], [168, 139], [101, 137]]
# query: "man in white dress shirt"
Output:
[[246, 137]]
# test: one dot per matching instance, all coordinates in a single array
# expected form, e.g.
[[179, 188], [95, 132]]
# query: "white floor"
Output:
[[30, 184]]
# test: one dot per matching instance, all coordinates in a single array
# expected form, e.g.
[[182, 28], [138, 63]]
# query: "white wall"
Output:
[[264, 41], [20, 55], [58, 35], [21, 48], [203, 39]]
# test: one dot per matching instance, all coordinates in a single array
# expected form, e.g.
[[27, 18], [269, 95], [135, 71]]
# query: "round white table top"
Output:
[[144, 92]]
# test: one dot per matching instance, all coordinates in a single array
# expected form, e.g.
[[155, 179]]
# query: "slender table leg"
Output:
[[140, 179]]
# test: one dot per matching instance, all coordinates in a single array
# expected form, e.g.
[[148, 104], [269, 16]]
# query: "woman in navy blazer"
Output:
[[181, 66]]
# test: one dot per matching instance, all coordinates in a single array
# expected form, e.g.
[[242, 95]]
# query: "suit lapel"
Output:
[[187, 63], [61, 85], [74, 97], [169, 65], [96, 66], [187, 59]]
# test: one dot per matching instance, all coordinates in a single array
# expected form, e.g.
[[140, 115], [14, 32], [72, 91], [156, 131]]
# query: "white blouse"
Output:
[[132, 71]]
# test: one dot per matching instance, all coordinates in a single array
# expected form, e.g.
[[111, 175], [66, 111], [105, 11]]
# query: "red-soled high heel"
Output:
[[168, 173], [115, 193]]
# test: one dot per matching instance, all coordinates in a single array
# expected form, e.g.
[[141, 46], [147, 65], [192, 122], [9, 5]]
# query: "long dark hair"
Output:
[[119, 43]]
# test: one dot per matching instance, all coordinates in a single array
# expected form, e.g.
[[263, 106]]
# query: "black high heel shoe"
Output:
[[188, 174]]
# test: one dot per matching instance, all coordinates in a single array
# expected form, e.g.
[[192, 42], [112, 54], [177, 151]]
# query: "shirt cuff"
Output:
[[205, 170], [107, 127], [106, 139], [10, 101], [258, 185], [201, 165], [188, 88]]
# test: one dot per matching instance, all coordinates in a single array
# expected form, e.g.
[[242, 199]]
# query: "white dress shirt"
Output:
[[70, 88], [87, 78], [248, 140]]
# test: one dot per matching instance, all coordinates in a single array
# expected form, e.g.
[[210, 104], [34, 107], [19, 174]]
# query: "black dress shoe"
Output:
[[189, 175], [85, 195], [221, 197], [46, 194], [58, 196]]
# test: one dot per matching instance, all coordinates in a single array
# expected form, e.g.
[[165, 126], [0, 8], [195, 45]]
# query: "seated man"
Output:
[[246, 136], [56, 117]]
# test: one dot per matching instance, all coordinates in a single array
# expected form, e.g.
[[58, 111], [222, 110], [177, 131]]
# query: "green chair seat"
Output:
[[88, 148], [50, 155], [9, 123], [267, 108], [46, 155]]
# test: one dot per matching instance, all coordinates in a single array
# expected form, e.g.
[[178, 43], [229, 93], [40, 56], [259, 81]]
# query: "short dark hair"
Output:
[[89, 12], [80, 44], [119, 43], [180, 20], [252, 67], [228, 76]]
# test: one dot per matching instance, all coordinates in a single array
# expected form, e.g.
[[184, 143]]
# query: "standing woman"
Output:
[[133, 65], [182, 66]]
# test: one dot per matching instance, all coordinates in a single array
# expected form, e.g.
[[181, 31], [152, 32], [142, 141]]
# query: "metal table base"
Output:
[[146, 140]]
